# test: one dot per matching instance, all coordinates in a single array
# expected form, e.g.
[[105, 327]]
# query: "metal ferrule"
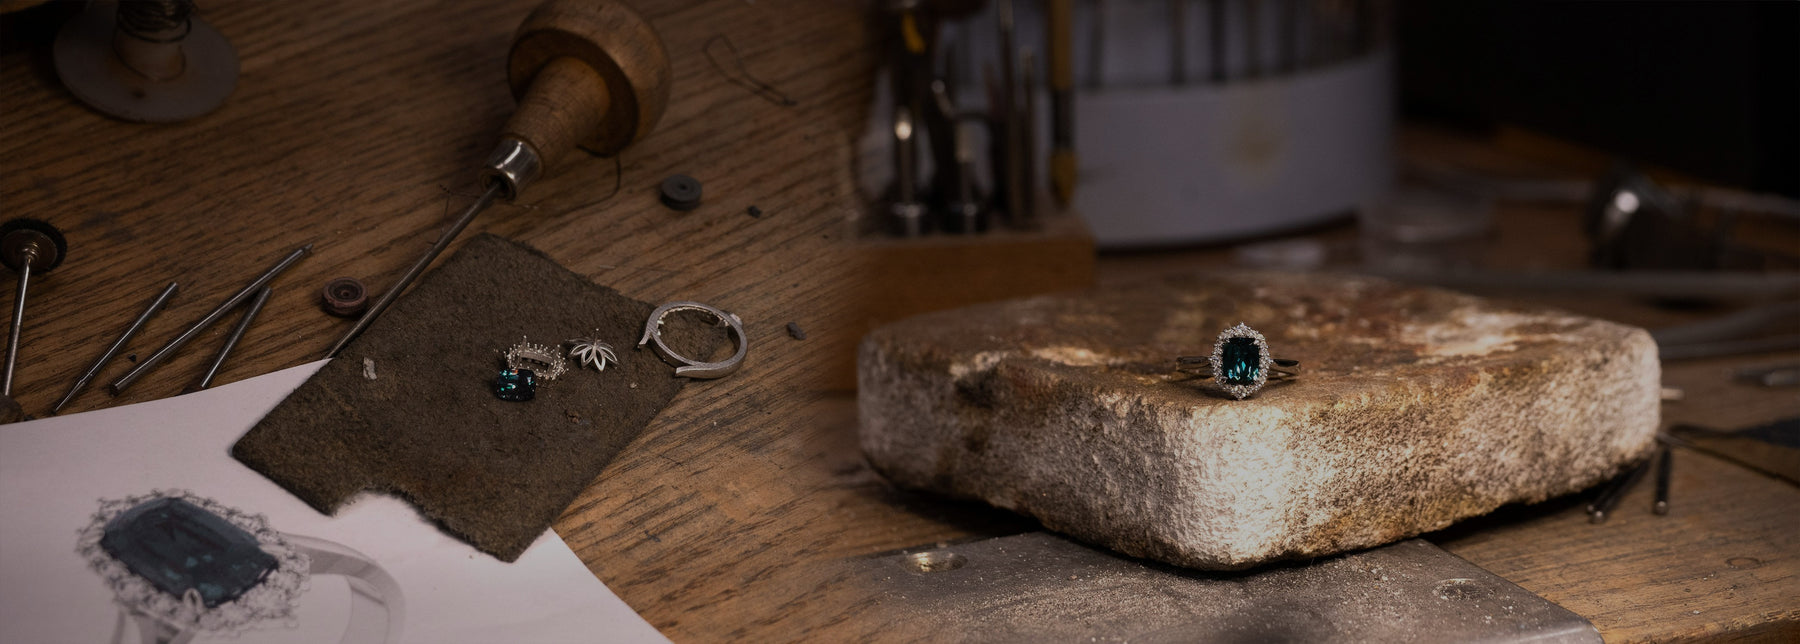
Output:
[[513, 165]]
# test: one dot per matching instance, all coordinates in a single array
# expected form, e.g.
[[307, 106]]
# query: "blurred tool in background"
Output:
[[1166, 156], [146, 60]]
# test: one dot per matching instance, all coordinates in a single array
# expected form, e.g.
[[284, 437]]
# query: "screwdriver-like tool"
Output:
[[26, 245], [587, 74]]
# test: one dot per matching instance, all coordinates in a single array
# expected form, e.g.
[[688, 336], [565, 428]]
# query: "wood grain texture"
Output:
[[355, 126]]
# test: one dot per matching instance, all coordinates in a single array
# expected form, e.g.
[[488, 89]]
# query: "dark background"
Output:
[[1711, 89]]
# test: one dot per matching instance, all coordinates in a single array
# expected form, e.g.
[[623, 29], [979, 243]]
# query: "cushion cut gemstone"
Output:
[[516, 386], [178, 546], [1240, 361]]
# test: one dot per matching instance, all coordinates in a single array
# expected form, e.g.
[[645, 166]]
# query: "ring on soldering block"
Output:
[[689, 367], [541, 360], [1240, 361]]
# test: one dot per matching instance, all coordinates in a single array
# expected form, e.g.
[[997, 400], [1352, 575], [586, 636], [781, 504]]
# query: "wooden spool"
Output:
[[587, 73]]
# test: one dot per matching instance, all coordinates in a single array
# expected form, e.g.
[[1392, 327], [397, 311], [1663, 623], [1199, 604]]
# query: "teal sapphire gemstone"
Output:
[[178, 546], [1240, 361], [516, 386]]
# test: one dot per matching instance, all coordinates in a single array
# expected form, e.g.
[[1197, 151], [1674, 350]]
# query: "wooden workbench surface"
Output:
[[354, 126]]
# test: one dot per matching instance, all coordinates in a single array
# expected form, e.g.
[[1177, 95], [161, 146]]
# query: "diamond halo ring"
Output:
[[1240, 362]]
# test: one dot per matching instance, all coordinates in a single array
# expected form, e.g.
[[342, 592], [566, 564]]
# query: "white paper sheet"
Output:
[[54, 471]]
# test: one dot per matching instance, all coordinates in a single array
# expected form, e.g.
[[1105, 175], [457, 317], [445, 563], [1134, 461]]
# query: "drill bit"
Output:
[[26, 245]]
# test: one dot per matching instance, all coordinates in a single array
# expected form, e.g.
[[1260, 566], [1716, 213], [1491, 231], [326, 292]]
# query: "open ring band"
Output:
[[695, 368]]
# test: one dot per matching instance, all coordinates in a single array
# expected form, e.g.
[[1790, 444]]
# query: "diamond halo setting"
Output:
[[1238, 371]]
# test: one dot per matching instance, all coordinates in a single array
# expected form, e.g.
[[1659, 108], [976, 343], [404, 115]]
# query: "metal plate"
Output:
[[88, 66], [1041, 587]]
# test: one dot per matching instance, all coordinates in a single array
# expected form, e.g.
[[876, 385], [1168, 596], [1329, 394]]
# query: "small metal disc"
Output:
[[91, 69], [20, 234], [345, 297], [681, 192]]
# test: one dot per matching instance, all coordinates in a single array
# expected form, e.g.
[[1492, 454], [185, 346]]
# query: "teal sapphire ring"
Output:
[[1240, 361]]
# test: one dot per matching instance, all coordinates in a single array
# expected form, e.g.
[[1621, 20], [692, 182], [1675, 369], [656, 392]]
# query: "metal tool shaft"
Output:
[[237, 333], [1609, 497], [18, 321], [1664, 462], [112, 351], [149, 363], [462, 221]]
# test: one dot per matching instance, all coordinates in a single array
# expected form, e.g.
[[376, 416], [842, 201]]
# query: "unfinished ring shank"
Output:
[[696, 368]]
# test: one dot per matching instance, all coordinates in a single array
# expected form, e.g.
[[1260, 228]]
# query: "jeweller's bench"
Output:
[[733, 515]]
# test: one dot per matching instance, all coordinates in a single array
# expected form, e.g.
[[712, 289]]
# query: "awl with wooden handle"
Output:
[[589, 74]]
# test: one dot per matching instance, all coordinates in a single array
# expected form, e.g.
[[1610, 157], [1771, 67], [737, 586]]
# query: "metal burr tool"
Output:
[[118, 386], [1027, 143], [112, 351], [26, 245], [237, 333], [908, 212], [965, 214], [1664, 463]]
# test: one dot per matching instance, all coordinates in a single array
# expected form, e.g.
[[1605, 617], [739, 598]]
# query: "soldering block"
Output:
[[1414, 408]]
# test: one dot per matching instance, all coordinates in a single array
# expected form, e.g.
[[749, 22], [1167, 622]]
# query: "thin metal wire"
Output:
[[748, 81]]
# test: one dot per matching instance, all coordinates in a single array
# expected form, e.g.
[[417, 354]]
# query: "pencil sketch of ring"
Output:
[[181, 565], [689, 367], [544, 361]]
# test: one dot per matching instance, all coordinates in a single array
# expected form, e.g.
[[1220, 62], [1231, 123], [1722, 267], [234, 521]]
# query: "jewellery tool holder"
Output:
[[428, 427]]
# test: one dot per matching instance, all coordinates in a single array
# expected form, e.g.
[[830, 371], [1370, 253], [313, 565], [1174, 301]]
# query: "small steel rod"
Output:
[[149, 363], [112, 351], [462, 221], [18, 321], [1664, 461], [237, 333], [1602, 507]]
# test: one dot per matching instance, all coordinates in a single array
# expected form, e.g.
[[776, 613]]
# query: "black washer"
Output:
[[681, 192]]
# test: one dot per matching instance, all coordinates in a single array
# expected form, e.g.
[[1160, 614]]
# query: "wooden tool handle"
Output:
[[567, 103], [623, 56]]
